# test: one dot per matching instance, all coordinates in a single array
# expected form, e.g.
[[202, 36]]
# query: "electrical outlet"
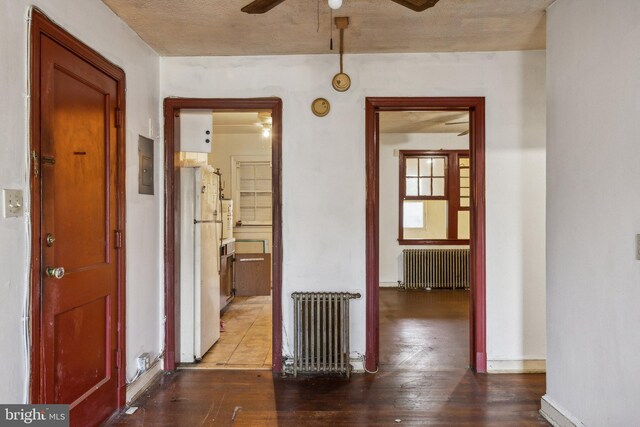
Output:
[[638, 247], [12, 203]]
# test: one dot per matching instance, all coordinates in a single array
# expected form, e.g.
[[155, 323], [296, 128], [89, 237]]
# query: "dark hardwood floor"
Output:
[[424, 330], [422, 381]]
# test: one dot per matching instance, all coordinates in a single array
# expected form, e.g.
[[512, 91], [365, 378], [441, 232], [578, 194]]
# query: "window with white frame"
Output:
[[253, 192]]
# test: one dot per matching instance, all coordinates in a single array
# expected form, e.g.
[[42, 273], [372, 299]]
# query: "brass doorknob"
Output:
[[55, 272]]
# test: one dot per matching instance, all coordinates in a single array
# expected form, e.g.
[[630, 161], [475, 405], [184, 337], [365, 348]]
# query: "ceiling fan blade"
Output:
[[466, 132], [261, 6], [417, 5], [456, 123]]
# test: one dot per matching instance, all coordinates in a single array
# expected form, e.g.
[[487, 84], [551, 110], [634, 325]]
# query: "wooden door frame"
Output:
[[477, 317], [171, 107], [42, 25]]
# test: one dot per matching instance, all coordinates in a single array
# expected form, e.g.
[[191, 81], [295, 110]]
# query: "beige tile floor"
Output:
[[246, 341]]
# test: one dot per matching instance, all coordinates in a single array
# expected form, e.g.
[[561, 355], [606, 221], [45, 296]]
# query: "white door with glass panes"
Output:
[[252, 189]]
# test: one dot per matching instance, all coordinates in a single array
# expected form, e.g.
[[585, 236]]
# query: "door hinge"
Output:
[[118, 118], [118, 237], [36, 163]]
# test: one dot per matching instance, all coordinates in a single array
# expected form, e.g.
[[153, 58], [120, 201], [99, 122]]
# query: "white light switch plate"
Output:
[[12, 203]]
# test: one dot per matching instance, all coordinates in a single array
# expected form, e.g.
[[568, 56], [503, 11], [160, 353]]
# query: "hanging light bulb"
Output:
[[335, 4]]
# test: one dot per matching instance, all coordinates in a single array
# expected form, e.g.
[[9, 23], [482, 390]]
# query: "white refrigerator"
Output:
[[200, 233]]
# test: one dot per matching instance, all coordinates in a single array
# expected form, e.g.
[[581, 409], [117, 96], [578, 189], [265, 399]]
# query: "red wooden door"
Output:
[[78, 217]]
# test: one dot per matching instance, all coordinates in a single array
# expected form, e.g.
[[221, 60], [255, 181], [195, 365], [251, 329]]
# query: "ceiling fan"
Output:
[[262, 6], [466, 132]]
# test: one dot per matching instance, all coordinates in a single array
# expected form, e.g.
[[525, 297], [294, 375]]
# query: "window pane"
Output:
[[464, 182], [464, 192], [413, 215], [247, 200], [464, 202], [247, 172], [464, 224], [464, 172], [438, 186], [247, 214], [263, 172], [425, 186], [263, 215], [263, 200], [425, 166], [412, 187], [263, 184], [463, 161], [247, 184], [412, 167], [438, 166], [434, 217]]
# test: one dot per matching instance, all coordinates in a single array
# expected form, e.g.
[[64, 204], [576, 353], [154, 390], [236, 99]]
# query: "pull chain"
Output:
[[331, 28], [341, 47]]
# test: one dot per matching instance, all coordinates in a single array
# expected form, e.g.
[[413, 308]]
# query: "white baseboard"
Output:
[[357, 365], [388, 284], [135, 389], [556, 414], [529, 366]]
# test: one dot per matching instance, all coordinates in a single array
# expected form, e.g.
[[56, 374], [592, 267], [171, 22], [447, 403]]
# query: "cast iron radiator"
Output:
[[436, 268], [321, 332]]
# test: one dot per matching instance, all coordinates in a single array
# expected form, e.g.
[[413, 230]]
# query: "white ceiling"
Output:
[[218, 27], [424, 122], [238, 122]]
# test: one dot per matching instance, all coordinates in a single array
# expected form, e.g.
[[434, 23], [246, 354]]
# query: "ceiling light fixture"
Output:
[[266, 132], [335, 4]]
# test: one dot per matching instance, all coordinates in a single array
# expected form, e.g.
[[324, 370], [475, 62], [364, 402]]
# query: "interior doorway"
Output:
[[226, 169], [240, 151], [424, 239], [440, 204]]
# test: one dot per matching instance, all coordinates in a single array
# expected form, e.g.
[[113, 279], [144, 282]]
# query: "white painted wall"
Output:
[[324, 169], [390, 143], [593, 279], [96, 25]]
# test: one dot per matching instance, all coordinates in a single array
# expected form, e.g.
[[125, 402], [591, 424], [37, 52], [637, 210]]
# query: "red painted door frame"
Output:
[[172, 107], [42, 26], [477, 317]]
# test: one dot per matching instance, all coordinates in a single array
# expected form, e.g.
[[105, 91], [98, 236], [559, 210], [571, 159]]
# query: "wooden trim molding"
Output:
[[42, 26], [477, 318], [172, 107]]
